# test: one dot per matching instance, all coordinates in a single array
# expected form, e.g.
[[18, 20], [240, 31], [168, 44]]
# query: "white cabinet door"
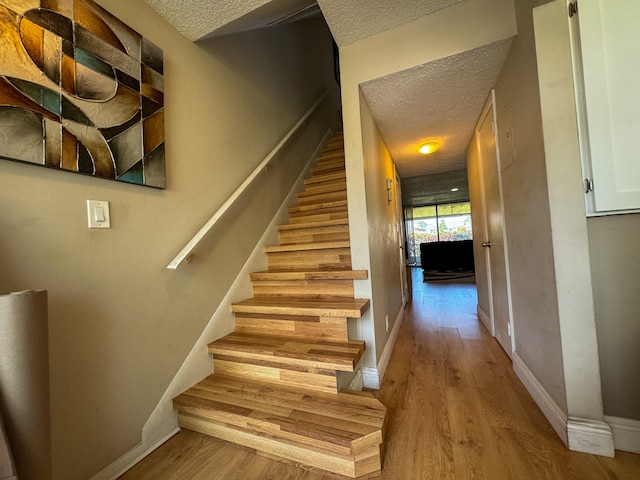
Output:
[[610, 51]]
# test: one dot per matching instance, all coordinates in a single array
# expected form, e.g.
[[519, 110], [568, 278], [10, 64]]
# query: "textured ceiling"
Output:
[[199, 19], [440, 101], [354, 20]]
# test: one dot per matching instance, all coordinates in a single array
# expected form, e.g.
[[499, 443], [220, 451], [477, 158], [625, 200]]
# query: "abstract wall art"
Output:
[[80, 91]]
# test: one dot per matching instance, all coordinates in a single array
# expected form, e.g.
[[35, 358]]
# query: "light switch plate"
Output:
[[98, 214]]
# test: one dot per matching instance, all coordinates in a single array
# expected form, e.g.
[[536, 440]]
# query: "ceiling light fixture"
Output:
[[455, 189], [429, 147]]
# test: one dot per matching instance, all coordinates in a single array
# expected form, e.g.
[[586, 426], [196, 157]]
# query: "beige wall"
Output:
[[615, 268], [527, 217], [386, 298], [120, 323]]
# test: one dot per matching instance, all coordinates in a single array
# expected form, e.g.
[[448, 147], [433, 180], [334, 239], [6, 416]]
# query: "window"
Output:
[[436, 223]]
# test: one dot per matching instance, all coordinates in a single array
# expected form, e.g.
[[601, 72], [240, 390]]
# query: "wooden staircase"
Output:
[[275, 388]]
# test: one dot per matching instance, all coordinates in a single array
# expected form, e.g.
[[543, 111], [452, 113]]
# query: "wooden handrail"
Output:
[[185, 253]]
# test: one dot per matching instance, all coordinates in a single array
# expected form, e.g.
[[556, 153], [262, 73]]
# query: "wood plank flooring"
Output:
[[455, 408]]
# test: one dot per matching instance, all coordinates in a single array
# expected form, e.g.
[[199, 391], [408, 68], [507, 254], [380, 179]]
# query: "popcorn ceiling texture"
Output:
[[440, 100], [196, 19], [354, 20]]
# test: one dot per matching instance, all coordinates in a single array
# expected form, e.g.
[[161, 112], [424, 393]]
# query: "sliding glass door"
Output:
[[447, 222]]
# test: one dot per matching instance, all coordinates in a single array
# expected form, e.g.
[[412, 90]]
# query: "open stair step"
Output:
[[311, 232], [296, 352], [333, 167], [337, 153], [336, 433], [329, 186], [325, 307], [310, 275], [329, 177], [326, 208], [316, 224]]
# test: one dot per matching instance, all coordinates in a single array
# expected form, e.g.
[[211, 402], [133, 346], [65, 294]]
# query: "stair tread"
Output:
[[307, 246], [322, 223], [293, 351], [327, 177], [318, 206], [337, 418], [323, 307], [344, 274], [310, 192]]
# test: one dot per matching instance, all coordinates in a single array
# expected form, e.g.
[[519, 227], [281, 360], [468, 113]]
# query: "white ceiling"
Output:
[[353, 20], [440, 100]]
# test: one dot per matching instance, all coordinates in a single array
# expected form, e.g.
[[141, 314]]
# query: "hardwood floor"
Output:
[[456, 410]]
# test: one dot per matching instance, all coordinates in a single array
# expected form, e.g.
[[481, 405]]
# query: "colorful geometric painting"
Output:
[[80, 91]]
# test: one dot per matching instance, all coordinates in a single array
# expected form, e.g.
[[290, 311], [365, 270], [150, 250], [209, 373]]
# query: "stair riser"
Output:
[[287, 425], [329, 186], [323, 197], [331, 155], [319, 217], [292, 239], [266, 425], [326, 169], [333, 207], [312, 379], [311, 260], [313, 191], [328, 328], [325, 178], [311, 275], [337, 144], [307, 458], [328, 207], [329, 163], [304, 289]]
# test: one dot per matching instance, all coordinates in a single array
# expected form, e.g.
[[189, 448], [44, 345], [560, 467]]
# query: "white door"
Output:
[[494, 243]]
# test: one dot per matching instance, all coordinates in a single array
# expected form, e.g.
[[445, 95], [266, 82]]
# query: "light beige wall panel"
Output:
[[120, 323], [527, 217], [386, 299], [615, 269]]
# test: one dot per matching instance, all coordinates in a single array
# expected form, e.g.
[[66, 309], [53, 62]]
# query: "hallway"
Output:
[[456, 410]]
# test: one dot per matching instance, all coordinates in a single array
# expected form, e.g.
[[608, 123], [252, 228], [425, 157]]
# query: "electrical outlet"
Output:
[[386, 322]]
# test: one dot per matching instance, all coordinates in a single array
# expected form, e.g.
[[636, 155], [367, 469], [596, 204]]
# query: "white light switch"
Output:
[[98, 214]]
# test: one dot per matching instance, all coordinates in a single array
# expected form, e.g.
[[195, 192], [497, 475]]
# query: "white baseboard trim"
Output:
[[383, 363], [132, 457], [626, 433], [578, 434], [485, 319], [556, 416], [590, 436], [372, 377]]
